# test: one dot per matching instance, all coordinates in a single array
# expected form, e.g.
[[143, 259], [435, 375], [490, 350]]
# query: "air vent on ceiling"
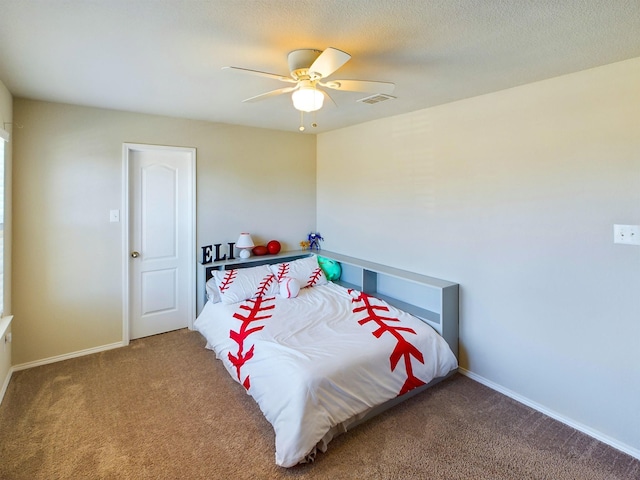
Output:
[[377, 98]]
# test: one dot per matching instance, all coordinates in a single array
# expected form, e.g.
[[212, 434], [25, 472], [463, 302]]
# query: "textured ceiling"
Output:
[[165, 56]]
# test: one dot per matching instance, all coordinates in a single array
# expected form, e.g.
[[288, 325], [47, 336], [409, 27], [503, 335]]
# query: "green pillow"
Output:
[[331, 268]]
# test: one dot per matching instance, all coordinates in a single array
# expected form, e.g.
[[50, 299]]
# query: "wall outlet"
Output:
[[626, 234]]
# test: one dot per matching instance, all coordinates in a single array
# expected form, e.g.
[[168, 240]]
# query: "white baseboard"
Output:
[[556, 416], [66, 356]]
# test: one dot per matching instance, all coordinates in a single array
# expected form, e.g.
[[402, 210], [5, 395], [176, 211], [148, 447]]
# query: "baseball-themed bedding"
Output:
[[317, 356]]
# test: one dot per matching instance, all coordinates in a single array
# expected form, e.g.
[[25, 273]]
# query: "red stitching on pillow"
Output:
[[227, 280], [264, 285], [283, 271], [315, 276]]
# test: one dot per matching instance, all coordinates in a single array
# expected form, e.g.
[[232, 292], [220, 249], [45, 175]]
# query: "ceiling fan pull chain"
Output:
[[301, 121]]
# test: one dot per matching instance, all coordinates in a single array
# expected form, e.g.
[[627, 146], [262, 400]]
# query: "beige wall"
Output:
[[68, 174], [513, 195]]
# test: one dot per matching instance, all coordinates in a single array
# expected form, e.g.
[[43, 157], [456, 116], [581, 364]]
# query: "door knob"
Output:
[[135, 254]]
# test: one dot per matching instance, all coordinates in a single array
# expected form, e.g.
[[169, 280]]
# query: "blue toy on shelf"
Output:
[[314, 240]]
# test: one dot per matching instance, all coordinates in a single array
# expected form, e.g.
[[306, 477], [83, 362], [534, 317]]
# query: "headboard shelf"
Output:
[[254, 261], [386, 270], [412, 309], [350, 285]]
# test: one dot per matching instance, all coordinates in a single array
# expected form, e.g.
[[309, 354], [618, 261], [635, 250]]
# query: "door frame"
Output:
[[128, 148]]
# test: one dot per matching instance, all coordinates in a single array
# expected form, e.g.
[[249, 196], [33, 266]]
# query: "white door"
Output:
[[161, 240]]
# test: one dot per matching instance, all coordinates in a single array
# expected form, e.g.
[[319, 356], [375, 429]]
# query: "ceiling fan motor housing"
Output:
[[300, 61]]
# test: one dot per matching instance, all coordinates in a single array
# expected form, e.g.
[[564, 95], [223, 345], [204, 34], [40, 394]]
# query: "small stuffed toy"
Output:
[[289, 287]]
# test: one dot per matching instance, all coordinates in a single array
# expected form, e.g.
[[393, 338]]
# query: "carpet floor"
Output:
[[165, 408]]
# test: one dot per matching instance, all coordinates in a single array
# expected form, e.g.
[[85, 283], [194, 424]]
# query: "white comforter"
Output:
[[314, 361]]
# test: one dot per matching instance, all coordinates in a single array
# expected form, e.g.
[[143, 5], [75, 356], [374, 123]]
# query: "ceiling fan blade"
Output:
[[274, 76], [272, 93], [326, 95], [328, 62], [361, 86]]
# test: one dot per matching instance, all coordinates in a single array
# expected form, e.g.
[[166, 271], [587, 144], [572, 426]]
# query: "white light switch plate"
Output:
[[114, 215], [626, 234]]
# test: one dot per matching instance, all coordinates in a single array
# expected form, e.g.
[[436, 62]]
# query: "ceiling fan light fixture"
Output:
[[307, 69], [307, 99]]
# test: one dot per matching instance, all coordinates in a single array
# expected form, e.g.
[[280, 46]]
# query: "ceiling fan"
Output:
[[309, 69]]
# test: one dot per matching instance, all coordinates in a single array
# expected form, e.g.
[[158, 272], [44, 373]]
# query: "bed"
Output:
[[319, 356]]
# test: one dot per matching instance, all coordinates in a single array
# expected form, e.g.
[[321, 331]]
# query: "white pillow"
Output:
[[289, 287], [213, 294], [244, 283], [305, 270]]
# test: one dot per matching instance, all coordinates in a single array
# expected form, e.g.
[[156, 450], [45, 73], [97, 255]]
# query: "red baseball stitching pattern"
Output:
[[254, 307], [286, 285], [227, 280], [283, 271], [264, 285], [315, 276], [404, 349]]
